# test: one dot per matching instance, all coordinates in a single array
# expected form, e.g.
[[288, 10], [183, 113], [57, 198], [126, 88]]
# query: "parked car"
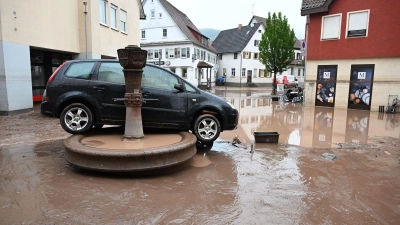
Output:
[[81, 93], [287, 80]]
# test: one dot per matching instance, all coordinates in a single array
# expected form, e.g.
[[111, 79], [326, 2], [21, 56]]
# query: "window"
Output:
[[224, 71], [357, 24], [256, 42], [143, 34], [183, 53], [259, 31], [164, 33], [150, 54], [255, 73], [220, 56], [158, 79], [111, 72], [113, 14], [255, 55], [298, 72], [177, 52], [234, 55], [246, 55], [261, 73], [122, 18], [160, 15], [153, 13], [171, 53], [243, 72], [80, 70], [297, 55], [331, 27], [103, 12], [156, 54], [233, 72]]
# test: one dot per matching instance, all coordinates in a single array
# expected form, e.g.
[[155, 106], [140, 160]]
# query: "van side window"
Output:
[[189, 88], [80, 70], [157, 78], [111, 72]]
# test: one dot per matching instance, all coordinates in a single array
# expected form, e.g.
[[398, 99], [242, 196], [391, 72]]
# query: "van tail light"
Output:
[[55, 72]]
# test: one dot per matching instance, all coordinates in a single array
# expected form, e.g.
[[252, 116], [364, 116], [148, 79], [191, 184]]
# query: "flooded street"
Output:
[[290, 182]]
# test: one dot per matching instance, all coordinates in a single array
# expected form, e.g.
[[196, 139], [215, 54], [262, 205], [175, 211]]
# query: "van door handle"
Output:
[[98, 88]]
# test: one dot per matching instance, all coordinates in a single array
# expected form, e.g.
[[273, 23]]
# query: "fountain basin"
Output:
[[136, 156]]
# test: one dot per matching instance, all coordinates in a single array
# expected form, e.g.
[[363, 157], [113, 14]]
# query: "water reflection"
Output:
[[307, 126]]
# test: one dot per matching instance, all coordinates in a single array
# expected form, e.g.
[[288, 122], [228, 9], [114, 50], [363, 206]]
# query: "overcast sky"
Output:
[[227, 14]]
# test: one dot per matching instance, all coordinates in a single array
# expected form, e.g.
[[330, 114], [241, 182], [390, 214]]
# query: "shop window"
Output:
[[357, 24], [331, 27]]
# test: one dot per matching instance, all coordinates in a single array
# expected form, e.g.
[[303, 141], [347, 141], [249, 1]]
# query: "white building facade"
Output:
[[175, 43]]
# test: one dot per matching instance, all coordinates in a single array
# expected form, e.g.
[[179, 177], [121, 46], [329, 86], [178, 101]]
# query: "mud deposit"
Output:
[[285, 183]]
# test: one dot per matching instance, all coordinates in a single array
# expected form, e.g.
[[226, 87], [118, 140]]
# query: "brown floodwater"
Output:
[[289, 182]]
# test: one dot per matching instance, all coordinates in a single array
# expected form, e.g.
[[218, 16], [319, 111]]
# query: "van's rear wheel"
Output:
[[76, 119], [207, 128]]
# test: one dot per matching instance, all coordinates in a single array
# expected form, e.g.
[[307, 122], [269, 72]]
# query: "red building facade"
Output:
[[353, 52]]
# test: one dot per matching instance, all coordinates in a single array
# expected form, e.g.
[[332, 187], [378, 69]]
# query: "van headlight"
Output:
[[233, 107]]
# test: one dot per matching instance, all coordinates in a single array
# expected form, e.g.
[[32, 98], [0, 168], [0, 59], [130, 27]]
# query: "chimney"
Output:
[[240, 26]]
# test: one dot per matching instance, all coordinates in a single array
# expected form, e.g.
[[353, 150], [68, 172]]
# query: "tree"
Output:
[[277, 45]]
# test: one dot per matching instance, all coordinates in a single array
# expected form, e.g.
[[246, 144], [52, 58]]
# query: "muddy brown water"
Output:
[[284, 183]]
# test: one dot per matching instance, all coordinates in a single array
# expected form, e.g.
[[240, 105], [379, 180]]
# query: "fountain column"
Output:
[[132, 58]]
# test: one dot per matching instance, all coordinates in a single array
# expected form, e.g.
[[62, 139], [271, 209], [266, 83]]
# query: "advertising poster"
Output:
[[361, 78], [326, 85]]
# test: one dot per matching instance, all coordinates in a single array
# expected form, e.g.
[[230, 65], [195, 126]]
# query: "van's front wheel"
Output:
[[207, 128]]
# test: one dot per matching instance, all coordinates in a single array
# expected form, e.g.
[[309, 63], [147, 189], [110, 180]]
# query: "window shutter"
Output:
[[331, 27], [166, 53], [160, 53], [244, 55], [249, 55], [188, 52]]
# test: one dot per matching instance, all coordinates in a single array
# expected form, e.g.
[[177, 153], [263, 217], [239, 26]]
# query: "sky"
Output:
[[228, 14]]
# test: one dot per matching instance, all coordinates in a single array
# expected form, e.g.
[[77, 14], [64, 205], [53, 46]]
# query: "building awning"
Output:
[[203, 64]]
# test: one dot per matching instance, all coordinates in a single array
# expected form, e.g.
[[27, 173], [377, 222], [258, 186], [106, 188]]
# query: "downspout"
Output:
[[240, 70]]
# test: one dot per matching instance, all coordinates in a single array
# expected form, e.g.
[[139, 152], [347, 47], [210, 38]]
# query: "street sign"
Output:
[[158, 63]]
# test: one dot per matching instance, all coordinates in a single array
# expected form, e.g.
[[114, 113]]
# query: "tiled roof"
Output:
[[184, 23], [315, 6], [310, 4], [259, 19], [234, 40]]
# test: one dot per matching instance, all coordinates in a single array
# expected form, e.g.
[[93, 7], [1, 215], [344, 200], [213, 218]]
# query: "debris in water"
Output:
[[387, 152], [329, 156], [236, 140]]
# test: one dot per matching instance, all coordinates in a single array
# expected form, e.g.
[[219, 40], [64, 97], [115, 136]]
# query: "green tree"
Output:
[[277, 45]]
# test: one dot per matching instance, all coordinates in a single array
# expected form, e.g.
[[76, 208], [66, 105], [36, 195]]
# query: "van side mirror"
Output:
[[179, 87]]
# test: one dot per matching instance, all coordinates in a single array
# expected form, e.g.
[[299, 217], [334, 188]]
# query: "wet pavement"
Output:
[[289, 182]]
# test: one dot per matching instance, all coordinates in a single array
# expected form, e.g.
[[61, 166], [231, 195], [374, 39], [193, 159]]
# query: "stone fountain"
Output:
[[134, 152]]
